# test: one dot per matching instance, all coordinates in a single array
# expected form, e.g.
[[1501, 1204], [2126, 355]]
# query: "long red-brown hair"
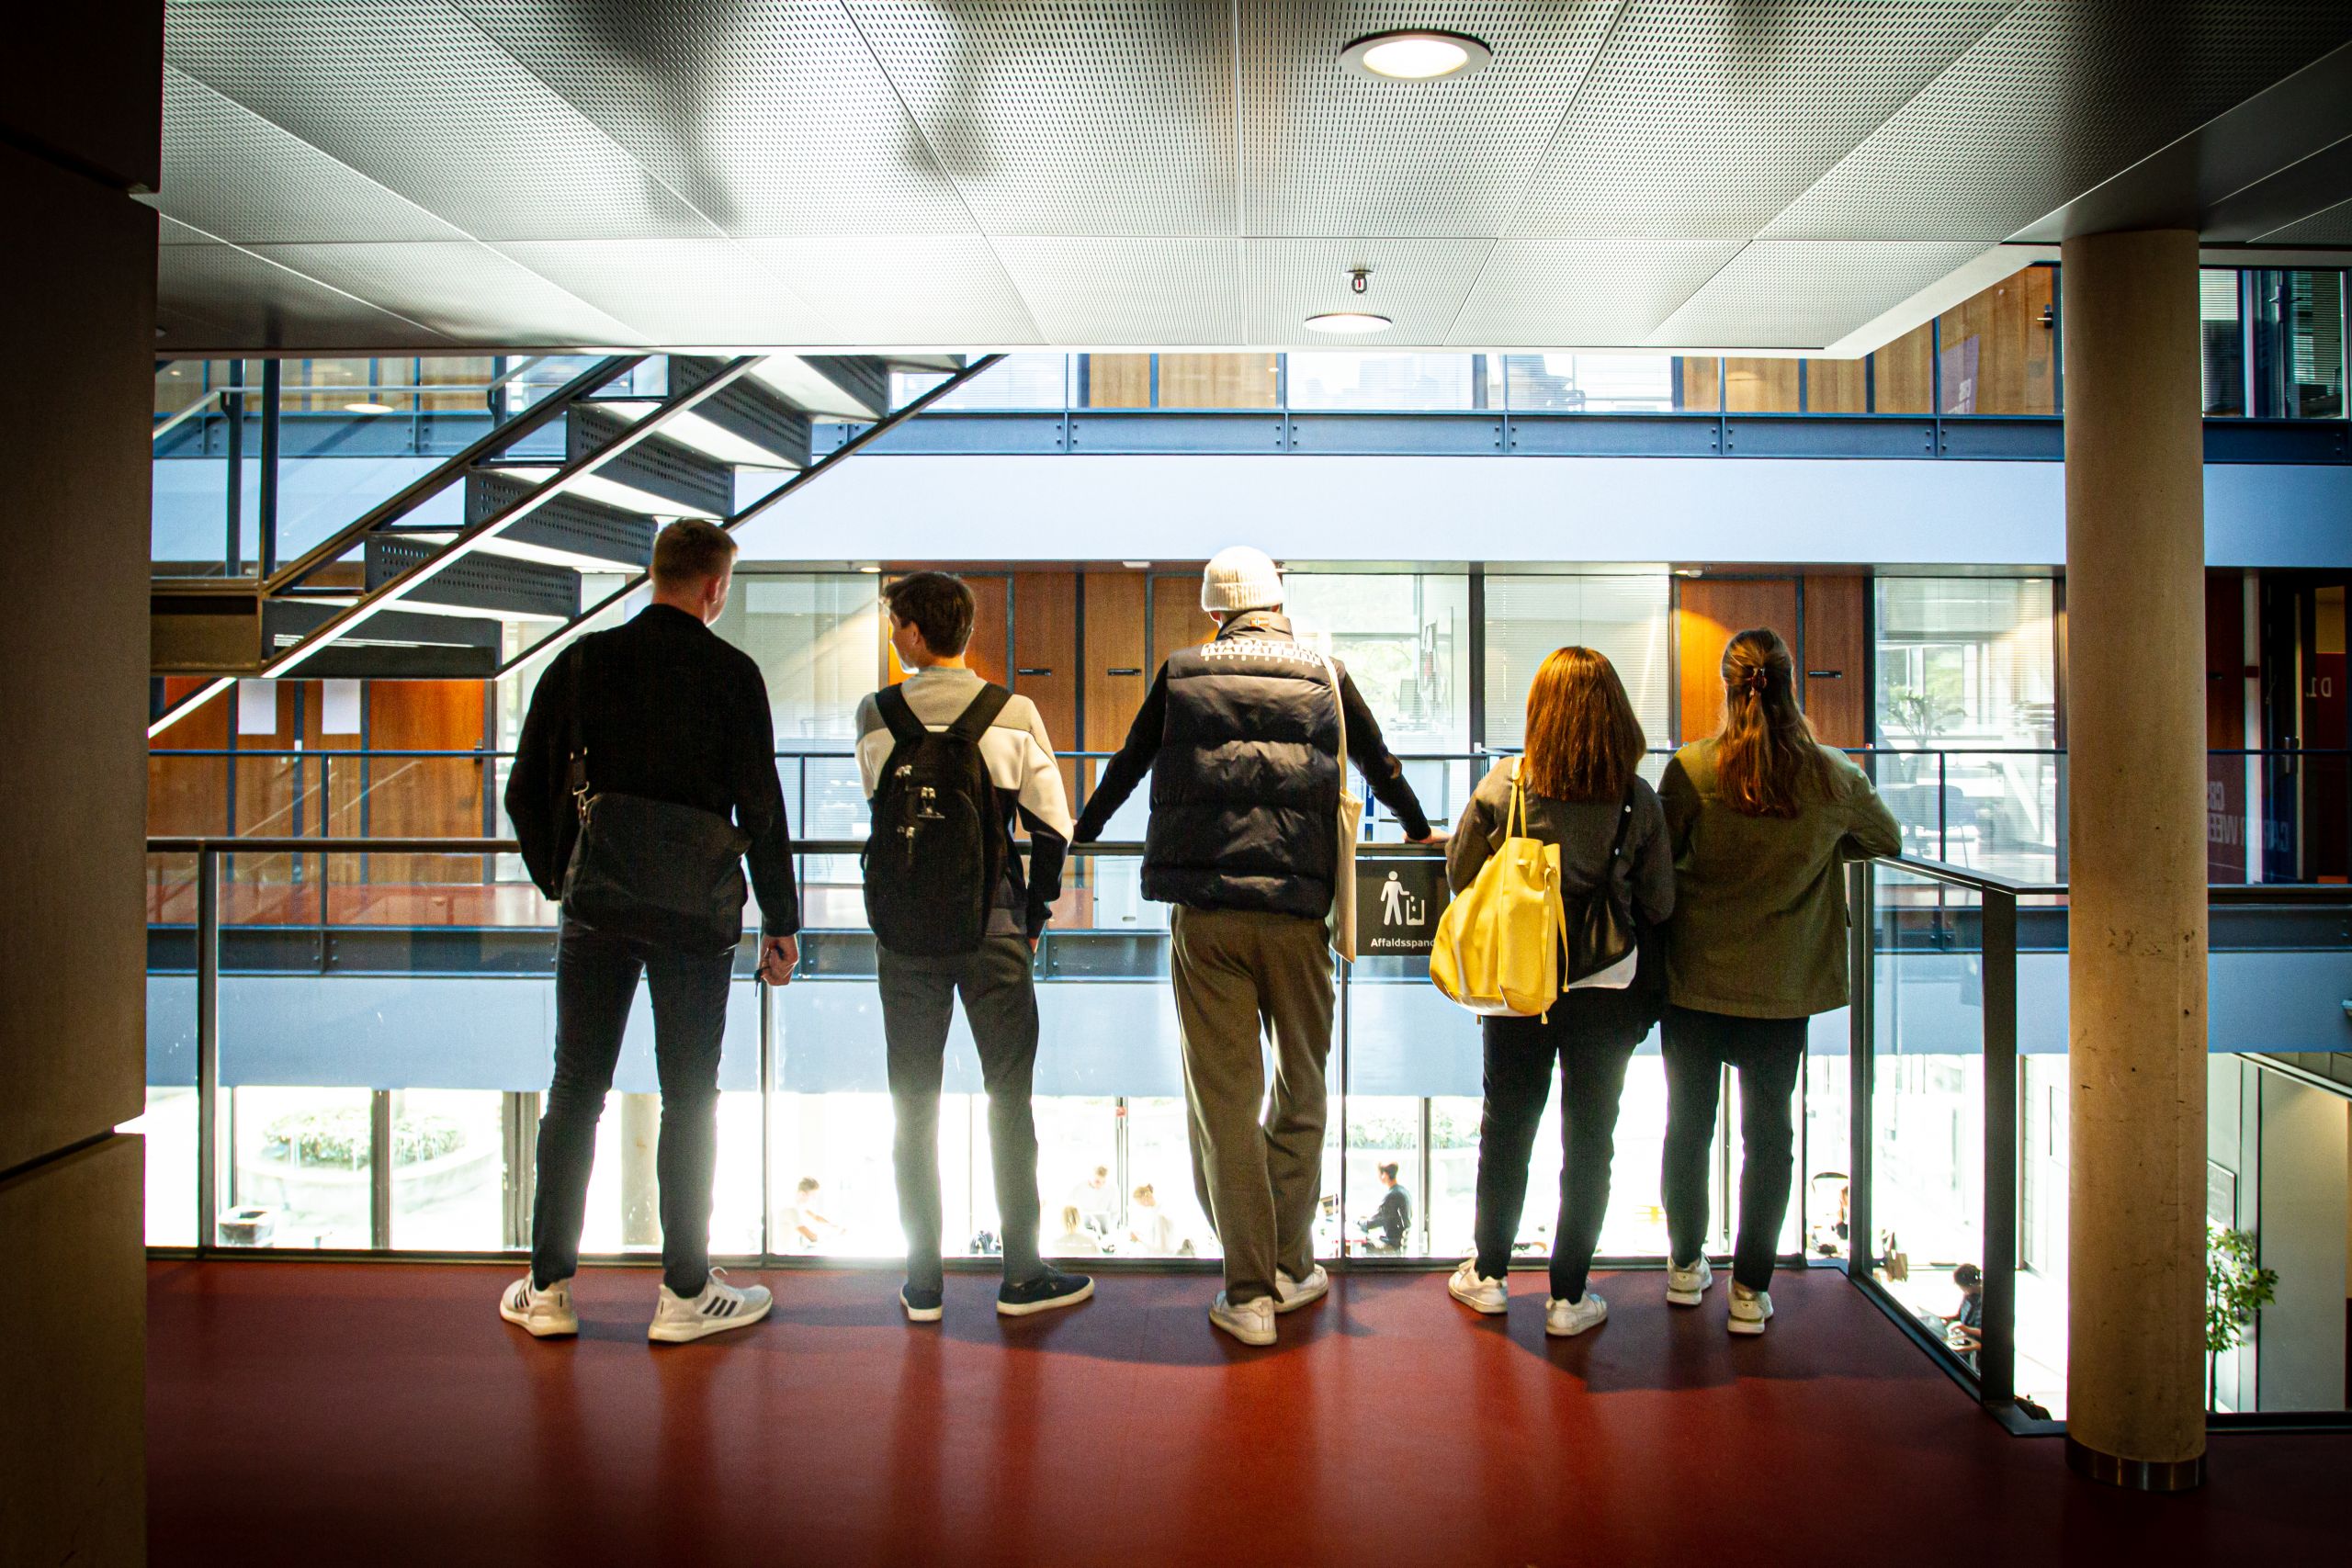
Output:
[[1765, 753], [1583, 742]]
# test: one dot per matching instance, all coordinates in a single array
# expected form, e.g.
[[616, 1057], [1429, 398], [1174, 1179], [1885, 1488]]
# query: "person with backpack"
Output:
[[1761, 816], [1575, 791], [644, 780], [1242, 737], [949, 762]]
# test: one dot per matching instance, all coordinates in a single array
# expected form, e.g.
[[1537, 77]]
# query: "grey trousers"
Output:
[[1000, 1004], [1239, 972]]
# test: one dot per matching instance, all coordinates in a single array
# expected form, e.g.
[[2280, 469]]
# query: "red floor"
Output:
[[363, 1414]]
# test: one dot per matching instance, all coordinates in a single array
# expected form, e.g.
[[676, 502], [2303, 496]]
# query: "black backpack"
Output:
[[937, 853]]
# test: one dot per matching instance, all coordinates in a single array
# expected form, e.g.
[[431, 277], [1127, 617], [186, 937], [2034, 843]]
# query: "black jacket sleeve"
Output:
[[1380, 768], [759, 811], [535, 803], [1124, 772]]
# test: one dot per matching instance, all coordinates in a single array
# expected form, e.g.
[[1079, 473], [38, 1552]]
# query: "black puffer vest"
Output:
[[1245, 791]]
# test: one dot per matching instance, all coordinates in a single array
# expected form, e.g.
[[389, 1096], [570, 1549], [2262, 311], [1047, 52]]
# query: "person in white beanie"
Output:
[[1241, 737]]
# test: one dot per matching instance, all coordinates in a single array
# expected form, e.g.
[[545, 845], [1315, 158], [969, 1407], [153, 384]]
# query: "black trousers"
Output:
[[595, 982], [1000, 1004], [1591, 1055], [1769, 1053]]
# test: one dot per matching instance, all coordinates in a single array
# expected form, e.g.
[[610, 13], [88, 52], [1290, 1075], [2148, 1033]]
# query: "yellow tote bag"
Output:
[[1499, 944]]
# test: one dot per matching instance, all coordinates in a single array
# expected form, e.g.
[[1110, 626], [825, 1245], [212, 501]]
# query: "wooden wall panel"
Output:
[[1218, 381], [1177, 618], [1115, 641], [1903, 374], [425, 797], [1761, 386], [1708, 611], [1835, 386], [1998, 352], [190, 794], [1118, 380], [1701, 384], [1045, 656], [1837, 639]]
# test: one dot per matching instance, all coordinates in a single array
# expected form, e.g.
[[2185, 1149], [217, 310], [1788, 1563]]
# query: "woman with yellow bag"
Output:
[[1571, 828]]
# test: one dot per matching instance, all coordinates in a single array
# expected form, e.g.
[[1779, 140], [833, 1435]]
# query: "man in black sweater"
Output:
[[1242, 737], [666, 711]]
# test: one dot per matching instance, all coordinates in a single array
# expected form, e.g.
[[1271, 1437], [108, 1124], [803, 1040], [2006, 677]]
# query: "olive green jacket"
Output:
[[1759, 929]]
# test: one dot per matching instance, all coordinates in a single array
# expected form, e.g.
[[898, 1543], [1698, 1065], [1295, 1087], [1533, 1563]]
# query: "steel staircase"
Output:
[[574, 485]]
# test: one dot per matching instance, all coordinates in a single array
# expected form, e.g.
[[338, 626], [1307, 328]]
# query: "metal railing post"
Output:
[[379, 1169], [1861, 1240], [1996, 1361], [208, 1048], [766, 999]]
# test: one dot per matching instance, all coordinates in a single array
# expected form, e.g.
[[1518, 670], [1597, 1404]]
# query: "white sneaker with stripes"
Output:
[[720, 1308], [544, 1313]]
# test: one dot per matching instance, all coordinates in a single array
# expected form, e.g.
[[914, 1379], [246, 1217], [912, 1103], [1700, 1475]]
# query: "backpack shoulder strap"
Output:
[[974, 721], [899, 714], [1624, 821]]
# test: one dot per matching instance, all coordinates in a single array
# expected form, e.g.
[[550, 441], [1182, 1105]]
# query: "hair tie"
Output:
[[1757, 679]]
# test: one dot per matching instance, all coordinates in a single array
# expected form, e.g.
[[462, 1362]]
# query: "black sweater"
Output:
[[670, 712]]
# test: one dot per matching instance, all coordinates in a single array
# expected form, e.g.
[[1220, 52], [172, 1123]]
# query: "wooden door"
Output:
[[1709, 611], [1833, 668]]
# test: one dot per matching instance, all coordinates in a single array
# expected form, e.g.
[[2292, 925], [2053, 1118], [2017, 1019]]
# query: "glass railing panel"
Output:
[[170, 1122], [1926, 1110]]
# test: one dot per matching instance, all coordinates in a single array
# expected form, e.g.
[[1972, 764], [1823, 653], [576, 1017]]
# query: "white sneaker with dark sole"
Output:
[[720, 1309], [544, 1313], [1291, 1294], [1252, 1323], [1479, 1293], [1750, 1310], [1687, 1283], [1565, 1320]]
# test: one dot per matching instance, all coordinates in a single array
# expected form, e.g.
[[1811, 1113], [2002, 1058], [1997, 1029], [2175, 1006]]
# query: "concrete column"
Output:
[[2135, 559]]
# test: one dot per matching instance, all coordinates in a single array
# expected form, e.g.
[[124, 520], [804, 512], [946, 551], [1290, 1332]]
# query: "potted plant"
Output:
[[2236, 1288]]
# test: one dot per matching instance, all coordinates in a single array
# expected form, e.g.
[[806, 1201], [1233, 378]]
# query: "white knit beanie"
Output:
[[1239, 578]]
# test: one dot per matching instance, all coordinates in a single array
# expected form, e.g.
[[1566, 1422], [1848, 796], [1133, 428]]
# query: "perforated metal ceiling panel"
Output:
[[265, 306], [1596, 293], [687, 292], [1419, 284], [1325, 150], [904, 289], [1806, 293], [1158, 293], [2333, 227], [459, 289], [415, 96], [2062, 95], [769, 118], [1704, 117], [1111, 118]]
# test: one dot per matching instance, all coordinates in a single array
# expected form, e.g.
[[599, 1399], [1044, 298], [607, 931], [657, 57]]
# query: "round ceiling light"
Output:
[[1349, 322], [1416, 54], [369, 408]]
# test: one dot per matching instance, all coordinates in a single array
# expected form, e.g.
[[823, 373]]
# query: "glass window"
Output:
[[1622, 616], [1219, 380], [1761, 386], [456, 378], [333, 386], [2297, 345], [1018, 381], [1405, 640], [1835, 386], [818, 639], [1967, 705], [1902, 374], [1386, 381], [1999, 347], [1591, 383], [2222, 327]]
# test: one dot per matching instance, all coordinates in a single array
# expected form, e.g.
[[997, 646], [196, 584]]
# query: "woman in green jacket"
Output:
[[1759, 819]]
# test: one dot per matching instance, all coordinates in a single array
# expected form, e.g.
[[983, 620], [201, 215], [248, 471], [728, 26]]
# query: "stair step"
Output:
[[656, 477], [747, 423], [401, 644], [568, 530], [476, 584], [834, 385]]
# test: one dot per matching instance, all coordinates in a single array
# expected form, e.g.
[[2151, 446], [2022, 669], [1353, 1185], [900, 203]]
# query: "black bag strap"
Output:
[[974, 721], [891, 701], [1624, 821], [578, 749]]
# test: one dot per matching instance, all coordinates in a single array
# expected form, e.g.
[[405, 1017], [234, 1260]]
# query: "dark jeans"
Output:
[[1001, 1006], [1769, 1053], [1520, 1053], [595, 981]]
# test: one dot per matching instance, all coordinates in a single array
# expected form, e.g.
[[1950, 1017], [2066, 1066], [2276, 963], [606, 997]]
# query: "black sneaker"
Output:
[[1049, 1290], [922, 1306]]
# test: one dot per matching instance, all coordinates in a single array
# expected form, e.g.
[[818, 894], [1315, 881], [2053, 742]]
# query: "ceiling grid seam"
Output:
[[251, 253], [461, 234], [489, 41], [1536, 167], [1036, 332]]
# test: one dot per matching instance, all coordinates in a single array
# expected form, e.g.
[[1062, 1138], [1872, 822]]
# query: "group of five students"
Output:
[[1730, 872]]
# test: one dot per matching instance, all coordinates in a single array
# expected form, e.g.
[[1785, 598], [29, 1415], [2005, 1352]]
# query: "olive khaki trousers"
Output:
[[1257, 1160]]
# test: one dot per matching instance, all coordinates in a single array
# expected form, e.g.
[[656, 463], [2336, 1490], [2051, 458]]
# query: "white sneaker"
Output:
[[1252, 1323], [1479, 1293], [1565, 1320], [720, 1308], [543, 1313], [1291, 1294], [1750, 1310], [1685, 1282]]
